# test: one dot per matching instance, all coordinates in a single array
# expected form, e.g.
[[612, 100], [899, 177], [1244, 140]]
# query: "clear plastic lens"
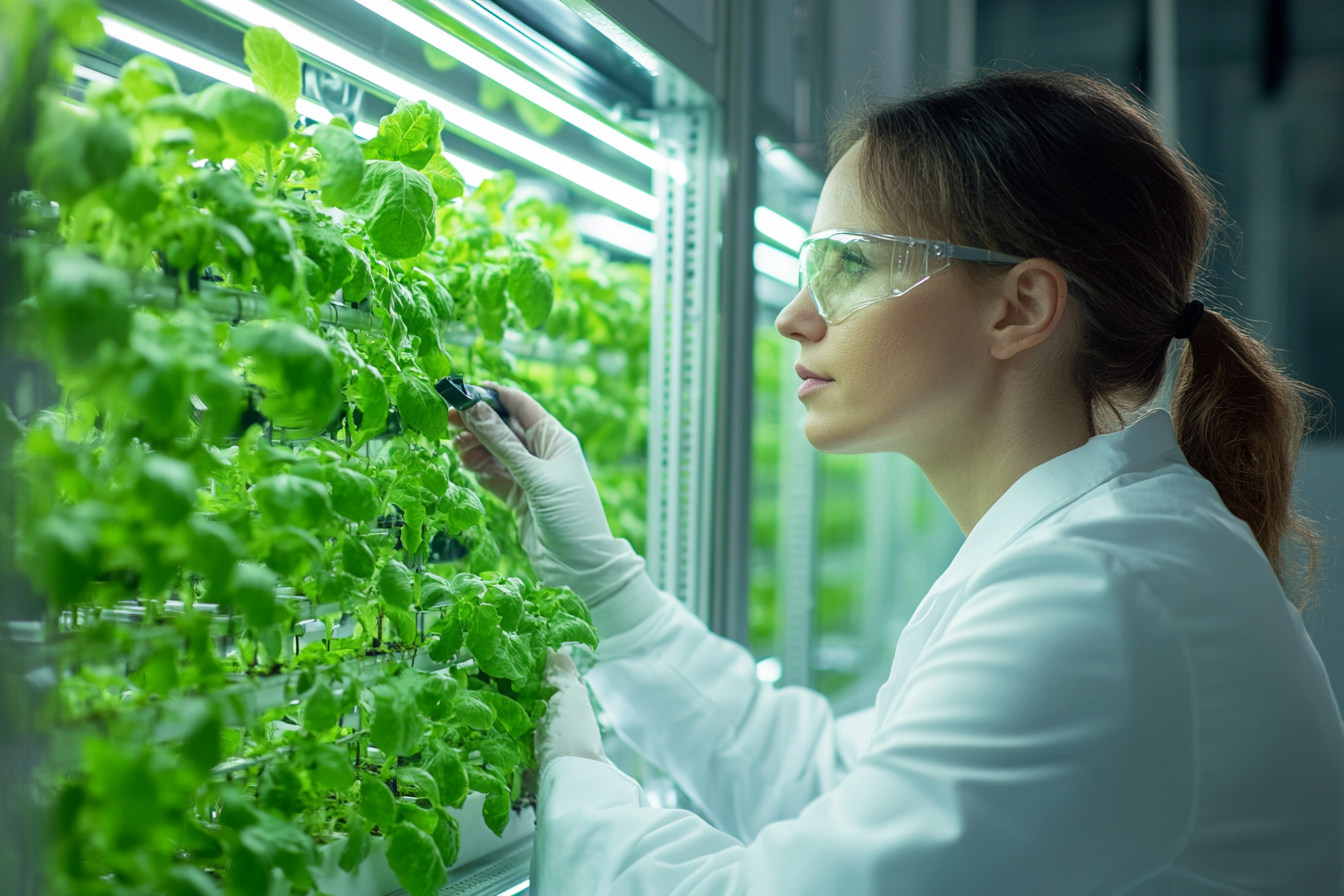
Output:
[[846, 271]]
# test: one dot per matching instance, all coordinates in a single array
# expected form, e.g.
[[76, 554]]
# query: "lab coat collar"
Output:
[[1147, 443]]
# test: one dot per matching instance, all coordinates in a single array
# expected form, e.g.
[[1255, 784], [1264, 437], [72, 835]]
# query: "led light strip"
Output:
[[780, 229], [615, 232], [460, 118], [418, 26], [127, 33], [775, 263], [517, 888]]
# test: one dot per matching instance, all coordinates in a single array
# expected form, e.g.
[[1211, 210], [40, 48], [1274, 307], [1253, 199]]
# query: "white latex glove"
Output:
[[568, 728], [537, 467]]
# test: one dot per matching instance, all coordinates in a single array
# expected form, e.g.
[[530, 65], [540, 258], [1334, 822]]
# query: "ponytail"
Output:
[[1240, 420], [1060, 166]]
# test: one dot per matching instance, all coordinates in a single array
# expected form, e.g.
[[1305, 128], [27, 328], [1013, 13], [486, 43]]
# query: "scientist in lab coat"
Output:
[[1110, 690]]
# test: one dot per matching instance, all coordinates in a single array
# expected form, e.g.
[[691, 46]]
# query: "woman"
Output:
[[1108, 691]]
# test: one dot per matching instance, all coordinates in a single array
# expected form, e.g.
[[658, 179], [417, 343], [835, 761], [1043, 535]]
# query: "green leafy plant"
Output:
[[281, 617]]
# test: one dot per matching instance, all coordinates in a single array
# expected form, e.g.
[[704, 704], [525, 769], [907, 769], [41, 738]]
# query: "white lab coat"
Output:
[[1106, 693]]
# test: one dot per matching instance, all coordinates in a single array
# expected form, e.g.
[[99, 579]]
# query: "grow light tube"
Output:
[[775, 263], [152, 43], [615, 232], [517, 888], [127, 33], [636, 200], [427, 30], [780, 229]]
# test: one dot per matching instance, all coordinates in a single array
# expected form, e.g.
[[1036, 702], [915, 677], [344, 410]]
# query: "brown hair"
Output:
[[1069, 168]]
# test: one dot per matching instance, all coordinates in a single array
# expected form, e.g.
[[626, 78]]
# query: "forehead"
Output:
[[845, 205]]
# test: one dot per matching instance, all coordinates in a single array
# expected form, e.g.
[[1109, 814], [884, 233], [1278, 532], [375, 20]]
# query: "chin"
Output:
[[833, 436]]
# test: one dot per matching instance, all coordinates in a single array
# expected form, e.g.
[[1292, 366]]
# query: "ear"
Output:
[[1028, 308]]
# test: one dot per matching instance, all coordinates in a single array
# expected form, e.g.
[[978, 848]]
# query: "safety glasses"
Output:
[[845, 270]]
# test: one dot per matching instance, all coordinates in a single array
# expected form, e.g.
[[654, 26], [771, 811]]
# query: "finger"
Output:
[[478, 459], [560, 665], [521, 406], [496, 436]]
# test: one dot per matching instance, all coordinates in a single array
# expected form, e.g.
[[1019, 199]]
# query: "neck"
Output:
[[1007, 439]]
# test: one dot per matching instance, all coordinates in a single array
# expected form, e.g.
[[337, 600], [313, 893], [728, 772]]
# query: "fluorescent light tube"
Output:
[[88, 74], [459, 117], [152, 43], [615, 232], [430, 32], [773, 263], [779, 228], [517, 888]]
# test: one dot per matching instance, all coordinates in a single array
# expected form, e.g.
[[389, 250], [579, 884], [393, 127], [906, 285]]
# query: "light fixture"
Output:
[[777, 264], [615, 232], [418, 26], [88, 74], [517, 888], [459, 117], [779, 228], [211, 68]]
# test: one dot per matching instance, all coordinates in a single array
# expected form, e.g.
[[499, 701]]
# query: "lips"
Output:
[[812, 382], [804, 373]]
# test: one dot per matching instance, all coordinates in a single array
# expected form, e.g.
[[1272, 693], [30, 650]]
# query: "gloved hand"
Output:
[[537, 467], [568, 727]]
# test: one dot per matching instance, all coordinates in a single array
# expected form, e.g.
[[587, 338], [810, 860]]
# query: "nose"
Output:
[[799, 320]]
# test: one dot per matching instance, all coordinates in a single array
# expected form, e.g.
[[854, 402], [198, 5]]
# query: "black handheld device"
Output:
[[462, 395]]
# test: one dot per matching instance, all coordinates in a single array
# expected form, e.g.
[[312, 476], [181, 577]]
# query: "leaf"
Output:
[[398, 205], [288, 500], [376, 803], [531, 288], [396, 585], [411, 134], [446, 766], [252, 590], [508, 714], [145, 77], [331, 769], [77, 150], [419, 781], [463, 508], [422, 409], [396, 727], [474, 712], [166, 488], [482, 630], [511, 658], [496, 811], [354, 495], [370, 395], [342, 171], [357, 845], [82, 305], [321, 711], [274, 65], [436, 697], [565, 628], [447, 837], [414, 859], [295, 371], [331, 258], [356, 557], [413, 533], [413, 813], [445, 648], [444, 178], [246, 117], [485, 554]]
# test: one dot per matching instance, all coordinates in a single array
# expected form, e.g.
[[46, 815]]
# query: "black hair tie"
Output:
[[1190, 316]]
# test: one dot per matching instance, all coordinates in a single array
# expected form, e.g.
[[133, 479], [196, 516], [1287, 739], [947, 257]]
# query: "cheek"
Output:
[[894, 370]]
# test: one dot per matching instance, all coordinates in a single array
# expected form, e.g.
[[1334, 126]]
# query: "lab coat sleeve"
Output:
[[1043, 744], [689, 702]]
